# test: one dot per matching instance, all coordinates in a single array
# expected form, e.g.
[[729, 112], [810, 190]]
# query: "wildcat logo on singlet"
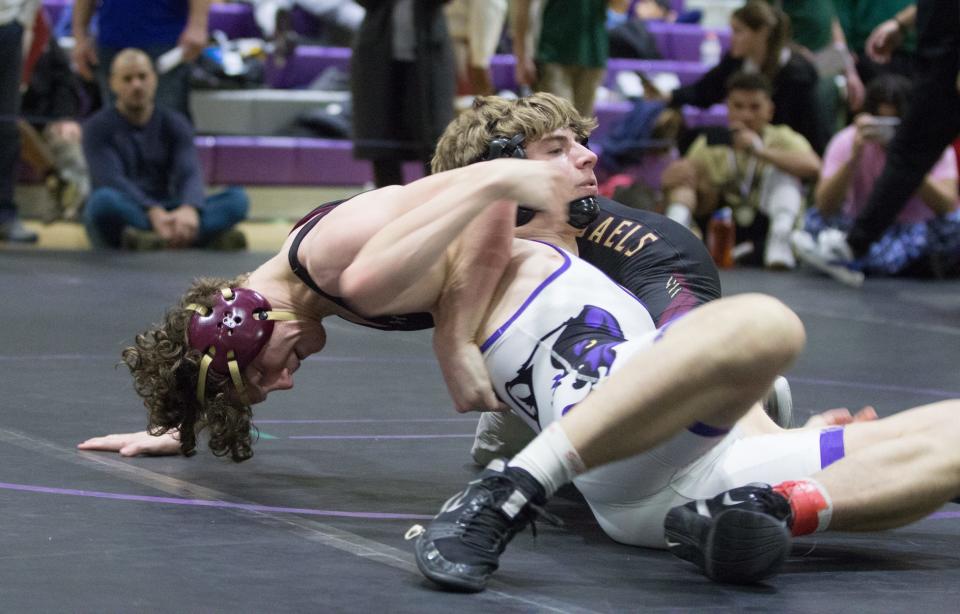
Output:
[[579, 354]]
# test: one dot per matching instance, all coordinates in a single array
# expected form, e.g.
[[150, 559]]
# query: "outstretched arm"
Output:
[[135, 444]]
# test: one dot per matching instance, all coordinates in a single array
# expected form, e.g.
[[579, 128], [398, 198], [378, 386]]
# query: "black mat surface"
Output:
[[367, 444]]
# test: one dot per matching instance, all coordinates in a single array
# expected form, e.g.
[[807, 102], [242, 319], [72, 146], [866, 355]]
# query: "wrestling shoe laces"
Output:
[[740, 536], [461, 546]]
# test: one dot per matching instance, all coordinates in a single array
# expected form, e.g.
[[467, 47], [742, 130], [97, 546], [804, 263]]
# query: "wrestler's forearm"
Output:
[[480, 258]]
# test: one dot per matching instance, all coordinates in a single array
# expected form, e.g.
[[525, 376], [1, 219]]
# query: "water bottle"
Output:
[[721, 236], [710, 50]]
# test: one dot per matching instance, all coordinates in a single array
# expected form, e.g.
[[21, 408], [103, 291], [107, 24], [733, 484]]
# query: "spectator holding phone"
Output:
[[925, 239]]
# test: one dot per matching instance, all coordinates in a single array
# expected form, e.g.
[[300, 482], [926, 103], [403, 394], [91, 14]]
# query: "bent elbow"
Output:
[[358, 287]]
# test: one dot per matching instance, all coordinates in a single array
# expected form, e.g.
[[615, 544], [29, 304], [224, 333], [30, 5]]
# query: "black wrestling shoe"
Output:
[[461, 546], [740, 536]]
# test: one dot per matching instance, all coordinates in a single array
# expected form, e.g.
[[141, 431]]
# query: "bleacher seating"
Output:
[[234, 146]]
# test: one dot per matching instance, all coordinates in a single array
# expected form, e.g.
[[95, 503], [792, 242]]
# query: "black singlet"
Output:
[[404, 322], [658, 260]]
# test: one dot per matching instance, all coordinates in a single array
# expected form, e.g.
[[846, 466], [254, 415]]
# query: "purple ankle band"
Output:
[[831, 446]]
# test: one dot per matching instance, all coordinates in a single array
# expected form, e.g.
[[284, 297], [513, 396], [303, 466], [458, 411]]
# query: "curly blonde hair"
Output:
[[165, 370], [467, 137]]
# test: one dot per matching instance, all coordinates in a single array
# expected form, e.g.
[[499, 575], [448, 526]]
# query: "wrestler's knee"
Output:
[[763, 329]]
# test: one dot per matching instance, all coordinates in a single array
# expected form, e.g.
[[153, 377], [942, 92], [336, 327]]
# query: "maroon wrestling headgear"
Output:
[[232, 333]]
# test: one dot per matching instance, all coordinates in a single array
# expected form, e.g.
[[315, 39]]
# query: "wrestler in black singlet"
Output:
[[409, 321], [655, 258], [658, 260]]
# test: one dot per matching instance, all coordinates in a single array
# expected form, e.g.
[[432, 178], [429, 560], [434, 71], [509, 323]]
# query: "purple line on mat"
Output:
[[939, 515], [471, 436], [250, 507], [363, 420]]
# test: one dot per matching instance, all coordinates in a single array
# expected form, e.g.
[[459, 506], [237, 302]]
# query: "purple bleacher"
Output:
[[660, 32], [206, 151], [608, 115], [502, 68], [698, 118], [251, 160], [234, 19], [648, 170], [304, 23], [685, 40], [687, 72], [305, 65]]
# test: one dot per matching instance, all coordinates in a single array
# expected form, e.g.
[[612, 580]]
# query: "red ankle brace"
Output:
[[810, 503]]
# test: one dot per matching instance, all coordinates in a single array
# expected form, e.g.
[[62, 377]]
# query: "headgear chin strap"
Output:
[[231, 333]]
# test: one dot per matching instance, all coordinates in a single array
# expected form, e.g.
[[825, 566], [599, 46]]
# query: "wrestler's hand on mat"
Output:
[[468, 381], [135, 444], [839, 417]]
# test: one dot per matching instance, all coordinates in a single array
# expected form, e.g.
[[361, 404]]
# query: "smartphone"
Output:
[[881, 129], [719, 135]]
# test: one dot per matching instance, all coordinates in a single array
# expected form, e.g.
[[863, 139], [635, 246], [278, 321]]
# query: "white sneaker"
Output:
[[778, 404], [499, 435], [778, 254], [811, 254], [833, 246]]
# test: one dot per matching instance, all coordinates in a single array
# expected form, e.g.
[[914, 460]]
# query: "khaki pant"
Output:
[[578, 84]]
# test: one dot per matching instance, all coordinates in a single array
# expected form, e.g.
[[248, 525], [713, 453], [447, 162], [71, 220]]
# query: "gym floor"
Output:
[[367, 445]]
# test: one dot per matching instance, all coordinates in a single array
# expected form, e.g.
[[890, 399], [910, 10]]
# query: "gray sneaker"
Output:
[[138, 240], [778, 404], [14, 231], [229, 241]]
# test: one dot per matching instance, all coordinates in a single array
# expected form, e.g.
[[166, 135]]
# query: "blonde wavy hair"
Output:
[[165, 370], [467, 137]]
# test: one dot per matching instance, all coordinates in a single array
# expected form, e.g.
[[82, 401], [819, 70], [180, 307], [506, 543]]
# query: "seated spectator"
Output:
[[50, 132], [148, 189], [760, 43], [925, 240], [755, 168]]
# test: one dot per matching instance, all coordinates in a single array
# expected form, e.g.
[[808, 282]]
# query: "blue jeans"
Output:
[[109, 211]]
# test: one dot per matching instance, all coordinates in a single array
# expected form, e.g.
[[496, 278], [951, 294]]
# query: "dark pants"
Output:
[[931, 123], [11, 59], [109, 211]]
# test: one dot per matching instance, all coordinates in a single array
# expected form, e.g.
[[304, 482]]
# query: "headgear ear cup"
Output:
[[502, 147]]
